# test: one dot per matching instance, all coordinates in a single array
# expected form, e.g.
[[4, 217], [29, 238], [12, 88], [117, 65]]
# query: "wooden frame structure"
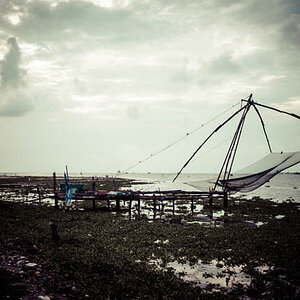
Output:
[[231, 153]]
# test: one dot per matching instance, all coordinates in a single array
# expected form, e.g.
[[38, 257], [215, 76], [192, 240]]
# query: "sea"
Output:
[[282, 187]]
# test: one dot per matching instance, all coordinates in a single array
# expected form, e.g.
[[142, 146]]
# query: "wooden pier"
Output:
[[153, 197]]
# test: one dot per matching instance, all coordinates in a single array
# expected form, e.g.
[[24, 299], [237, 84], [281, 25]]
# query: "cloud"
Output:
[[72, 20], [11, 73], [223, 64], [291, 33], [13, 101], [14, 104]]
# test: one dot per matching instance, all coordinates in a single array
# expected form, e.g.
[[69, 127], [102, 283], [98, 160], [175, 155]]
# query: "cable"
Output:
[[211, 149], [180, 139]]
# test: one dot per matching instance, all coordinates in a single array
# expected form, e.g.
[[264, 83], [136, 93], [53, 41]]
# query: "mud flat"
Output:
[[249, 251]]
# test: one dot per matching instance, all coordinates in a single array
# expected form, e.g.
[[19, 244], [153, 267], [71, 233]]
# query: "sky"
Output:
[[100, 85]]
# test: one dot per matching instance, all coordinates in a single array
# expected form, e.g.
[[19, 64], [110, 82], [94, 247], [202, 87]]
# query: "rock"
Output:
[[43, 298], [31, 265]]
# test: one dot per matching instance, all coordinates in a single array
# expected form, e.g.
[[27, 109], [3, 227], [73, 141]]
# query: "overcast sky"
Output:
[[102, 84]]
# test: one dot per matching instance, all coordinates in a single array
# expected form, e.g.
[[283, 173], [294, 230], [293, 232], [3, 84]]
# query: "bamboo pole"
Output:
[[263, 126], [229, 152], [237, 143], [216, 130], [278, 110]]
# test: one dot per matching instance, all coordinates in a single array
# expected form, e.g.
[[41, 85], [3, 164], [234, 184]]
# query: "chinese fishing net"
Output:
[[255, 175]]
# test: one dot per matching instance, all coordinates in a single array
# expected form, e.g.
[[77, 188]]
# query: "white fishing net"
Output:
[[255, 175]]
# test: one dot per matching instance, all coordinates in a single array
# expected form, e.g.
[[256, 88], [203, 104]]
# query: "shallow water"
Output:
[[216, 273], [284, 186], [280, 188]]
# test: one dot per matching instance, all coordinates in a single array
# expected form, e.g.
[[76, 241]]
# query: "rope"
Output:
[[211, 149], [180, 139]]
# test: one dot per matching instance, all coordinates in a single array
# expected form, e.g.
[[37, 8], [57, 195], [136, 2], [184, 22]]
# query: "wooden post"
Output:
[[39, 193], [94, 199], [154, 215], [54, 191], [192, 205], [225, 198], [114, 184], [210, 198], [130, 204], [173, 206], [107, 200], [54, 234], [118, 202], [154, 203], [139, 205]]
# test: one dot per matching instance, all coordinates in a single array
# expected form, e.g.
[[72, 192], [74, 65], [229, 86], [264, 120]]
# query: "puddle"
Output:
[[258, 224], [26, 195], [161, 242], [218, 214], [164, 211], [214, 273]]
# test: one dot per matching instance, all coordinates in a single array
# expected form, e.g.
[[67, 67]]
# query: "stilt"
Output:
[[39, 194], [225, 198], [129, 207], [54, 234], [154, 203], [139, 205], [107, 200], [54, 191], [192, 206], [210, 198], [118, 203], [173, 206], [94, 199]]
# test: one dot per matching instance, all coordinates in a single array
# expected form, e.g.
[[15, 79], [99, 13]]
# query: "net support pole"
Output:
[[216, 130], [276, 109], [263, 126], [235, 145], [233, 142]]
